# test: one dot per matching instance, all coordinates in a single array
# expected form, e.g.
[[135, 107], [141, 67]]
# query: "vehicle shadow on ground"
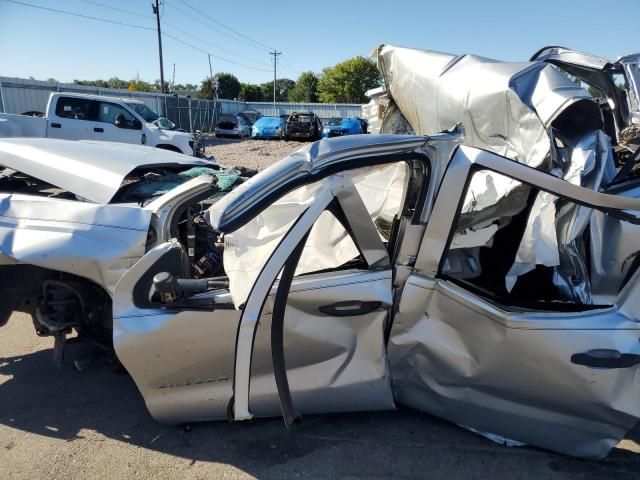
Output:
[[63, 403], [211, 141]]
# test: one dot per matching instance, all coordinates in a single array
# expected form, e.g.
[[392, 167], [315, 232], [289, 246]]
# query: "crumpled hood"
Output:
[[91, 170]]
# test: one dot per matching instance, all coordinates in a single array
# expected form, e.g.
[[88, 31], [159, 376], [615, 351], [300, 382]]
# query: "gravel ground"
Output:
[[257, 154], [58, 423]]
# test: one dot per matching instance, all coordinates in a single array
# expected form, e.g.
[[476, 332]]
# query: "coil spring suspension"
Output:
[[61, 307]]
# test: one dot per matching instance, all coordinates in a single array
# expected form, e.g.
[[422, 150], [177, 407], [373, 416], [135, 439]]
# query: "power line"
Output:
[[98, 4], [91, 2], [213, 55], [290, 67], [208, 25], [213, 27], [213, 45], [140, 27], [79, 15], [134, 26], [225, 26]]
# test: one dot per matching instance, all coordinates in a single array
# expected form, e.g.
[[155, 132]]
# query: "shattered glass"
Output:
[[156, 183]]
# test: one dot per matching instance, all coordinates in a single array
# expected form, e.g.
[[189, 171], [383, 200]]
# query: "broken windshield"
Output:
[[141, 186]]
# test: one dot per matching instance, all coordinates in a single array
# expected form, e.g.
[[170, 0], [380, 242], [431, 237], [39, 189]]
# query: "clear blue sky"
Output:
[[312, 34]]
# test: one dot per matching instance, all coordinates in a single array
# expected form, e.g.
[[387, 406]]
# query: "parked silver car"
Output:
[[486, 275], [232, 126]]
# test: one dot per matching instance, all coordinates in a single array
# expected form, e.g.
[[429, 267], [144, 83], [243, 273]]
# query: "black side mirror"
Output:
[[137, 124]]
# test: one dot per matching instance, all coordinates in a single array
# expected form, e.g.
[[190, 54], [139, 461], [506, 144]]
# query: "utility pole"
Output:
[[173, 81], [275, 54], [156, 10], [212, 91]]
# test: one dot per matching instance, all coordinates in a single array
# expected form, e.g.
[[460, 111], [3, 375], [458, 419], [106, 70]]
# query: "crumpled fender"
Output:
[[97, 242]]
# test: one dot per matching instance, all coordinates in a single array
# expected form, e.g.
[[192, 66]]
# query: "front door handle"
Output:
[[605, 358], [350, 308], [98, 129], [56, 125]]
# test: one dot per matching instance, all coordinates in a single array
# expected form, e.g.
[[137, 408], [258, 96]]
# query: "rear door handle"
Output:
[[350, 308], [56, 125], [605, 358], [98, 129]]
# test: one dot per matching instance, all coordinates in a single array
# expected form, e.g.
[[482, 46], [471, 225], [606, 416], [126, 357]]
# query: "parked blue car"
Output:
[[338, 127], [268, 127]]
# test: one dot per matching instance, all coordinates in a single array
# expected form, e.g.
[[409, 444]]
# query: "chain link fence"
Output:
[[18, 95]]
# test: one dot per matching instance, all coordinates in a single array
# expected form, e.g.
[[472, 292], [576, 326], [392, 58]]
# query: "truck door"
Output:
[[115, 123], [529, 360], [309, 279], [71, 118]]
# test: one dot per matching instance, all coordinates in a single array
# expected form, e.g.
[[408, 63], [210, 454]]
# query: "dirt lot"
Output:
[[64, 424], [256, 154]]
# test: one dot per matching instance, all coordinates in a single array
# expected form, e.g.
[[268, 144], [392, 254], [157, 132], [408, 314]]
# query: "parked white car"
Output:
[[75, 116]]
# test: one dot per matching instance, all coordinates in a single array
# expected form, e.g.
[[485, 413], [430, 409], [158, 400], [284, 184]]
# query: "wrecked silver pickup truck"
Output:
[[464, 273]]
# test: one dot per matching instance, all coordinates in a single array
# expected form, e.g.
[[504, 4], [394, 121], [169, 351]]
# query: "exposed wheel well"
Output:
[[172, 148], [56, 301]]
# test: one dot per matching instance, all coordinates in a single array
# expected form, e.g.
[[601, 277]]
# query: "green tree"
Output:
[[306, 88], [228, 87], [52, 80], [92, 83], [347, 82], [185, 87], [250, 92], [115, 82], [138, 85], [283, 87], [155, 86]]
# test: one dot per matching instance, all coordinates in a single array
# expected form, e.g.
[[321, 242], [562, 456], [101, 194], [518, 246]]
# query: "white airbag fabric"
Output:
[[328, 246]]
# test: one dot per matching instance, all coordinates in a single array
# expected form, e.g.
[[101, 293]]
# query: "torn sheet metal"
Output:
[[623, 98], [507, 108], [503, 107], [631, 66], [373, 112], [248, 248], [98, 242], [539, 244], [553, 237], [490, 202]]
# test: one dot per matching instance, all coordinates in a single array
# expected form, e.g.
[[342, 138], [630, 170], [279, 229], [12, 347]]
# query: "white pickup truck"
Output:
[[76, 116]]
